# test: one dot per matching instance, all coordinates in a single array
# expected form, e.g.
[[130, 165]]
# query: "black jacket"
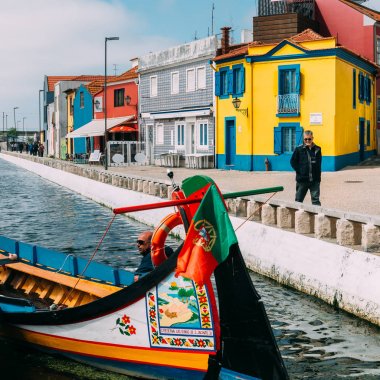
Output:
[[307, 163], [146, 264]]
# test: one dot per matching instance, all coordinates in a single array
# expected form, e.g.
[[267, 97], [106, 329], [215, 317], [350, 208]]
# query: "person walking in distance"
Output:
[[307, 161]]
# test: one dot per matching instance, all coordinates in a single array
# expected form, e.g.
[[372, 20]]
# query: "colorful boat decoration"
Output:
[[174, 323]]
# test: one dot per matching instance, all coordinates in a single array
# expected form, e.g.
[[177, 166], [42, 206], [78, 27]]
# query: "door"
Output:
[[361, 139], [149, 144], [230, 147]]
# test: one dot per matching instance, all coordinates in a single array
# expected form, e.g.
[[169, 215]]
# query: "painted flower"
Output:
[[202, 299], [201, 343], [152, 314], [132, 330], [161, 310], [206, 319], [125, 319], [177, 342]]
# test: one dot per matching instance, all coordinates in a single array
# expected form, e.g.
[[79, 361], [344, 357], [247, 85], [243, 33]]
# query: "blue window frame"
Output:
[[289, 88], [286, 137], [230, 81], [361, 87], [368, 133], [238, 80], [203, 133]]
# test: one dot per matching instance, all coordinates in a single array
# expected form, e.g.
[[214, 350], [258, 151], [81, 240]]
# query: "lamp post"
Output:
[[14, 116], [23, 126], [105, 98]]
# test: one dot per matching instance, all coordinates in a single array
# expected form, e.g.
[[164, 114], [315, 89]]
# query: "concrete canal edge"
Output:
[[341, 276]]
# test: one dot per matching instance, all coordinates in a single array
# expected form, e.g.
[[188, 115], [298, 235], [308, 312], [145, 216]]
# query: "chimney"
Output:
[[225, 39]]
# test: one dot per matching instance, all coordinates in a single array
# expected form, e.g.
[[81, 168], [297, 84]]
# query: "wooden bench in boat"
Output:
[[52, 285]]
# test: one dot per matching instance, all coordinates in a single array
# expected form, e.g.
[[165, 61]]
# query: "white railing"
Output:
[[289, 103]]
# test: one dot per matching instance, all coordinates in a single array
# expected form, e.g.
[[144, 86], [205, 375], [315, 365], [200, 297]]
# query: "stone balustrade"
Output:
[[359, 231]]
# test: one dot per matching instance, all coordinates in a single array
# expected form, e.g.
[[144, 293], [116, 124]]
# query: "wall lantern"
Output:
[[127, 100], [236, 103]]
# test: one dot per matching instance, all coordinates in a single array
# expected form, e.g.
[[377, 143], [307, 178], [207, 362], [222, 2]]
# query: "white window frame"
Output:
[[180, 146], [201, 86], [153, 88], [159, 131], [188, 88], [199, 146], [174, 88]]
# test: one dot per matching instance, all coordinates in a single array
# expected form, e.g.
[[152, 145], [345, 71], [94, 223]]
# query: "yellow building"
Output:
[[70, 122], [268, 94]]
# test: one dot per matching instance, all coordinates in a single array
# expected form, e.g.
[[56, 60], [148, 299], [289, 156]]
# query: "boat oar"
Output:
[[236, 194]]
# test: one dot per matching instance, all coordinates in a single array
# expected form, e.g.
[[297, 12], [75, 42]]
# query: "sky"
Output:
[[55, 37]]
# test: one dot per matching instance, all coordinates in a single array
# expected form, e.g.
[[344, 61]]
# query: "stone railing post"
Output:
[[302, 222], [370, 237]]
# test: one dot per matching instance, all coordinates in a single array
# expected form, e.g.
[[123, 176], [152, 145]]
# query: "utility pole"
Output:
[[3, 122]]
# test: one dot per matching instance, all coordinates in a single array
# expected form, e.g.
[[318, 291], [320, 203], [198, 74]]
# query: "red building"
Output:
[[356, 27]]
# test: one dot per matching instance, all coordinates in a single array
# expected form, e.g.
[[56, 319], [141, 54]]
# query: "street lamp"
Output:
[[23, 126], [14, 116], [105, 98]]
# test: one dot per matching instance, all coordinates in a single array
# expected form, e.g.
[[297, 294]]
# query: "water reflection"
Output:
[[316, 341]]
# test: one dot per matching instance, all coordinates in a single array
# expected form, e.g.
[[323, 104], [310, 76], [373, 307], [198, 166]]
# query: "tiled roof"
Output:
[[95, 86], [307, 35], [362, 9], [52, 80], [242, 50], [130, 74]]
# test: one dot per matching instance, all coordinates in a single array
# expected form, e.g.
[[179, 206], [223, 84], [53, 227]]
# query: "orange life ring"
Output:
[[159, 236]]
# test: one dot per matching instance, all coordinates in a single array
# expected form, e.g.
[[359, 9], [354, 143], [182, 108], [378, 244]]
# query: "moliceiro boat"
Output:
[[197, 315]]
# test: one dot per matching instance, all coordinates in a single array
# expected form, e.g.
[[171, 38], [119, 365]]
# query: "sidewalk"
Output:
[[353, 189]]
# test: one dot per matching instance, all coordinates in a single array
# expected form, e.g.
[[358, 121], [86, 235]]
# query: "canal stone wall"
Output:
[[327, 253]]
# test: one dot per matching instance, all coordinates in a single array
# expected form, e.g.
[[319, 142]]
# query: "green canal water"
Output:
[[316, 341]]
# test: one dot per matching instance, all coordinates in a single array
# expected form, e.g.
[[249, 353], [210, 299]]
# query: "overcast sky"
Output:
[[55, 37]]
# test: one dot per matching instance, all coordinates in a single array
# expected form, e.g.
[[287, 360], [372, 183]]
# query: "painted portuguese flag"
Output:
[[208, 240]]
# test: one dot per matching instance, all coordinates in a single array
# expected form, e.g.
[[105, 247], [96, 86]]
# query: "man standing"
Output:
[[306, 161]]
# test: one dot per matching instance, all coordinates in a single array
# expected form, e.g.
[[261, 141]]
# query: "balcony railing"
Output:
[[289, 103]]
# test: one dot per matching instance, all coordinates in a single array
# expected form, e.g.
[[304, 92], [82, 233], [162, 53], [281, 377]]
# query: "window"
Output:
[[159, 134], [175, 83], [203, 135], [190, 80], [378, 50], [286, 137], [180, 135], [365, 87], [153, 86], [222, 82], [201, 78], [81, 100], [289, 85], [368, 133], [378, 110], [237, 80], [118, 99]]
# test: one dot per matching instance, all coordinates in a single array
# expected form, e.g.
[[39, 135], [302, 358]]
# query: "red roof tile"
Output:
[[242, 50], [307, 35], [95, 86], [130, 74], [362, 9], [52, 80]]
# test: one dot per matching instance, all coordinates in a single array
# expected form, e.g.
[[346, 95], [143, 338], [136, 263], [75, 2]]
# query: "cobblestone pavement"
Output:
[[352, 189]]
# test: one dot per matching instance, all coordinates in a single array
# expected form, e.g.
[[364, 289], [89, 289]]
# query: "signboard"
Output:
[[316, 118]]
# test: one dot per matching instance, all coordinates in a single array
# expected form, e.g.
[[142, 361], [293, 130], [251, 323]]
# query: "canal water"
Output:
[[316, 341]]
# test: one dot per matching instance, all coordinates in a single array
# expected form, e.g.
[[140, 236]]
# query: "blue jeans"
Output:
[[303, 187]]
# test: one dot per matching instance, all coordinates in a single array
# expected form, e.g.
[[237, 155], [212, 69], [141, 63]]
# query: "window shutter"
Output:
[[277, 140], [217, 83], [298, 82], [299, 136], [242, 80], [230, 82]]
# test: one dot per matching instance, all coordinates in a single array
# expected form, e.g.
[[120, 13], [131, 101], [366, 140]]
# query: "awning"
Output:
[[122, 128], [96, 126]]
